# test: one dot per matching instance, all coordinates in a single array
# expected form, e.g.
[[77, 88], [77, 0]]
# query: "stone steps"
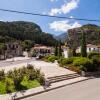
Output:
[[62, 77]]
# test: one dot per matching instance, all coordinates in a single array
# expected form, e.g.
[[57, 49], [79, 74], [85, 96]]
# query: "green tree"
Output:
[[56, 49], [59, 49], [27, 44], [74, 52], [83, 46]]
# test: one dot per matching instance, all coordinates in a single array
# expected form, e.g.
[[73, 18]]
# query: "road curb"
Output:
[[46, 90]]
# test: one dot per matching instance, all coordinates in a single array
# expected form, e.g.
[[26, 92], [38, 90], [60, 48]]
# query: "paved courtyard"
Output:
[[49, 69]]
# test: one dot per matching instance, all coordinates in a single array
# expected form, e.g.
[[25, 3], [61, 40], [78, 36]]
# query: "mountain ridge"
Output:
[[22, 30], [61, 37]]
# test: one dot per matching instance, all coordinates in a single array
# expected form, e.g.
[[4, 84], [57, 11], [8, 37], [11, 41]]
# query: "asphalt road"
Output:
[[9, 63], [86, 90]]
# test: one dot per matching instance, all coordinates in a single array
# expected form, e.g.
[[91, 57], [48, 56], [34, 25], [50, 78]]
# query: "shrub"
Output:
[[30, 67], [32, 74], [96, 63], [9, 85], [52, 58], [74, 68], [24, 71], [94, 55], [17, 78], [66, 61], [46, 57], [2, 88], [9, 74], [84, 64], [2, 75], [78, 54], [41, 79]]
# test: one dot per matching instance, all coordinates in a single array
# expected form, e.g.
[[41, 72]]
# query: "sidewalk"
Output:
[[38, 90]]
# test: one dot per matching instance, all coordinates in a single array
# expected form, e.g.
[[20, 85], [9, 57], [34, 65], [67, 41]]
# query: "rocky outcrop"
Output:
[[92, 33]]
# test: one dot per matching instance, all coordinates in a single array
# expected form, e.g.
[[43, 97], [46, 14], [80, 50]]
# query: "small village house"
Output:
[[12, 50], [90, 48], [42, 50]]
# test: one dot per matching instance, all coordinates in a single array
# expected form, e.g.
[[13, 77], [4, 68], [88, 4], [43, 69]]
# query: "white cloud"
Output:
[[1, 20], [63, 26], [53, 0], [65, 8], [71, 17]]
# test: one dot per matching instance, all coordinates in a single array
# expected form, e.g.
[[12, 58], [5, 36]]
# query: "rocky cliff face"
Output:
[[92, 33]]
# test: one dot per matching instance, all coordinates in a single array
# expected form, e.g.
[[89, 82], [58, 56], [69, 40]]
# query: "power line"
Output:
[[44, 15]]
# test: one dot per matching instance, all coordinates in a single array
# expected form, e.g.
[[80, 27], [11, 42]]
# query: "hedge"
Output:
[[50, 58], [66, 61], [84, 64], [94, 55]]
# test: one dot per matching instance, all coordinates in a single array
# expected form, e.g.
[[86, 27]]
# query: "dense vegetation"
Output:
[[20, 79], [50, 58], [20, 30], [78, 64]]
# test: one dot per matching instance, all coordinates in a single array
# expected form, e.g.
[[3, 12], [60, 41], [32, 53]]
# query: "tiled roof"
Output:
[[91, 45]]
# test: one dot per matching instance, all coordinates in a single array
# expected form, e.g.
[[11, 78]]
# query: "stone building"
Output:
[[12, 50]]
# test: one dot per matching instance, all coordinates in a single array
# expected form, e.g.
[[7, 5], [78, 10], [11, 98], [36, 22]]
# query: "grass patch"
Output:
[[30, 83], [2, 88], [25, 84]]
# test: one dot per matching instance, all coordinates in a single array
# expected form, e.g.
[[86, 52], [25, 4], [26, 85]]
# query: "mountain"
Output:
[[61, 37], [21, 30], [91, 31]]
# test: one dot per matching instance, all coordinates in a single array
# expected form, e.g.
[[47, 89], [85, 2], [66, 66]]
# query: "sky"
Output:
[[89, 9]]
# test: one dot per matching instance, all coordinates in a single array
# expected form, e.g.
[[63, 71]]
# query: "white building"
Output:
[[65, 52], [90, 48]]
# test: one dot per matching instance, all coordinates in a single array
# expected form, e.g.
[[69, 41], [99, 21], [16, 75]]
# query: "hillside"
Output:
[[92, 35], [20, 30]]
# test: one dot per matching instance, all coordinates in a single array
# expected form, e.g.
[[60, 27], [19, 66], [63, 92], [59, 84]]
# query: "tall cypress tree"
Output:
[[59, 49], [83, 46], [56, 49]]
